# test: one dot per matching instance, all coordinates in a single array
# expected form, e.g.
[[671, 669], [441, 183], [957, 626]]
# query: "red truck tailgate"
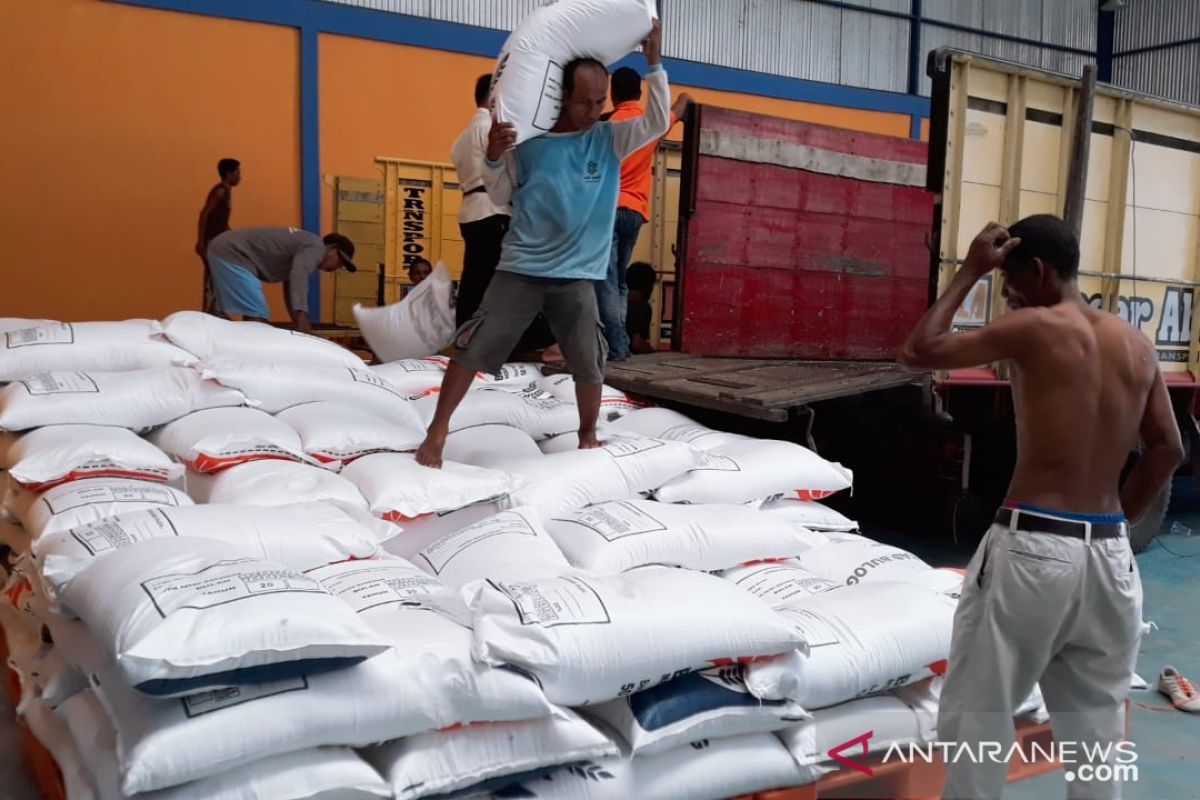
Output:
[[800, 241]]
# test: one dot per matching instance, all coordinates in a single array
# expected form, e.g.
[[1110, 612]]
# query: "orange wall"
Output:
[[119, 114], [115, 119]]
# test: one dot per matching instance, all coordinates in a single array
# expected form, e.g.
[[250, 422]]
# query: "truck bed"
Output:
[[764, 389]]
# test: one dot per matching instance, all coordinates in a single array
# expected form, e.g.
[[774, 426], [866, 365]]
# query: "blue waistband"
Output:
[[1095, 519]]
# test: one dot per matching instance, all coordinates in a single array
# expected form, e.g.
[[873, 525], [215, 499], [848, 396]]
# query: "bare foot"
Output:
[[429, 454], [553, 355], [588, 440]]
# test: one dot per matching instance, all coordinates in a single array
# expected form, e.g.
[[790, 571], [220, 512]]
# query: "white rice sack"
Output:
[[168, 742], [566, 442], [101, 346], [300, 536], [20, 323], [339, 433], [274, 483], [623, 534], [491, 446], [709, 704], [424, 618], [592, 638], [810, 514], [861, 640], [473, 759], [46, 457], [70, 505], [538, 413], [218, 438], [517, 374], [53, 734], [275, 387], [57, 679], [757, 469], [415, 376], [622, 469], [420, 533], [663, 423], [208, 337], [614, 403], [511, 546], [184, 615], [139, 400], [527, 85], [946, 580], [778, 582], [303, 775], [908, 715], [710, 769], [860, 560], [420, 325], [397, 488]]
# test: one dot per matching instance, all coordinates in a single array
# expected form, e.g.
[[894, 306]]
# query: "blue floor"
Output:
[[1168, 741]]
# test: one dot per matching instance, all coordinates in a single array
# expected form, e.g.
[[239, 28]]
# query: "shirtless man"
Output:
[[1052, 595]]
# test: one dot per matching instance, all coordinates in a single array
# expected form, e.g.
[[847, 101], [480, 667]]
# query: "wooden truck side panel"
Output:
[[801, 241]]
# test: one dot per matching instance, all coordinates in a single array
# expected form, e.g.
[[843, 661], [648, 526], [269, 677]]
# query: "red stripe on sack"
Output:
[[208, 465], [76, 475], [396, 516], [813, 495], [937, 667], [733, 662]]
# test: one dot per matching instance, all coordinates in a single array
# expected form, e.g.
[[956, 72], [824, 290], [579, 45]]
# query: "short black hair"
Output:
[[640, 276], [419, 260], [568, 80], [626, 85], [483, 88], [1049, 238], [228, 165]]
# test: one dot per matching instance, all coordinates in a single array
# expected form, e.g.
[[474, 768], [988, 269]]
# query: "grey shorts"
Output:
[[512, 301]]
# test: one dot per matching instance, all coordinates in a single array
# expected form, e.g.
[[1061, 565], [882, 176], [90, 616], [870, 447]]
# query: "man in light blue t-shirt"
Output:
[[563, 188]]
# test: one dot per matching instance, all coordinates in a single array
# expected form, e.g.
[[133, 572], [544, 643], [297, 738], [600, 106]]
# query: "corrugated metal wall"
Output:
[[813, 41], [793, 38], [1064, 22], [1172, 72], [498, 14]]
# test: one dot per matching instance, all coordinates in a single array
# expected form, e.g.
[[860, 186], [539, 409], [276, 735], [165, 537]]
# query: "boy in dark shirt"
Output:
[[640, 278]]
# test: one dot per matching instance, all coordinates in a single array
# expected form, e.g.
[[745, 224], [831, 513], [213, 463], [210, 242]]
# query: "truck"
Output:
[[806, 254], [796, 257]]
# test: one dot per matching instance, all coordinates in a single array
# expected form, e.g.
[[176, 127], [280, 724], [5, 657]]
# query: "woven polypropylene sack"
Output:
[[591, 638], [527, 83]]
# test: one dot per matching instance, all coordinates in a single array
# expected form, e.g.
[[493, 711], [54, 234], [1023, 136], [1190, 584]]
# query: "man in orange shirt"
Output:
[[633, 210]]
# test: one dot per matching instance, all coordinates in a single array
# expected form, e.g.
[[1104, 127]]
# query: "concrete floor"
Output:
[[1168, 741]]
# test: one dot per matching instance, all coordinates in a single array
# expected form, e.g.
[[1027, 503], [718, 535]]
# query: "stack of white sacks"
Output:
[[230, 579]]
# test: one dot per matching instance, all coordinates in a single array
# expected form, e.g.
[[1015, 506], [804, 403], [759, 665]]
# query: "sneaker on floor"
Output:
[[1183, 695]]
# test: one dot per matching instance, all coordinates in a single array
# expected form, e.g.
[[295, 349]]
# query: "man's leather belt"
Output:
[[1032, 522]]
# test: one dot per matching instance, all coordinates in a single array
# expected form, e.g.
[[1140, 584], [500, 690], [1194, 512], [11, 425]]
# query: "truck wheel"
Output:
[[1143, 531]]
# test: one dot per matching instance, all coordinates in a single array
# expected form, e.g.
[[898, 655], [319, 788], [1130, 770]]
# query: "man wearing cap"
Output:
[[241, 261]]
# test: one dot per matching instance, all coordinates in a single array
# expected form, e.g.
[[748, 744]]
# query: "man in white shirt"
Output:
[[482, 222]]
